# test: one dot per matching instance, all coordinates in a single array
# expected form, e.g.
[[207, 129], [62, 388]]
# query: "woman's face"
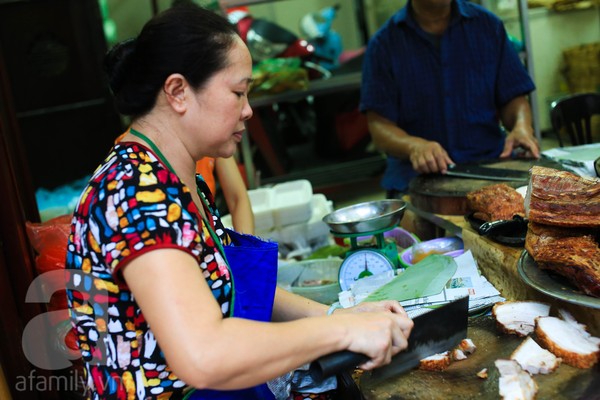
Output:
[[222, 105]]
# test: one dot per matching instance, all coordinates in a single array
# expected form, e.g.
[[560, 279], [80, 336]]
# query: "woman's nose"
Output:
[[247, 112]]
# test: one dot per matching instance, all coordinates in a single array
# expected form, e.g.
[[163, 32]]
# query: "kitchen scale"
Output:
[[362, 261], [372, 218]]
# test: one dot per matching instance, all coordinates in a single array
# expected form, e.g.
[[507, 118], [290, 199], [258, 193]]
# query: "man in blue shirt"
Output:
[[441, 85]]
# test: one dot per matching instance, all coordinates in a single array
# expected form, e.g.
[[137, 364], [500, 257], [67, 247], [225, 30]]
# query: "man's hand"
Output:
[[523, 139], [429, 157]]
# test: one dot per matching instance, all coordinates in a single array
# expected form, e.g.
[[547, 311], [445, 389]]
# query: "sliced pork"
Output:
[[436, 362], [535, 359], [518, 317], [467, 346], [569, 340], [515, 383]]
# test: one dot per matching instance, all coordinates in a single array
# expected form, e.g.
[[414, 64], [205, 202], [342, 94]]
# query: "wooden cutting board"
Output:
[[460, 380], [446, 195]]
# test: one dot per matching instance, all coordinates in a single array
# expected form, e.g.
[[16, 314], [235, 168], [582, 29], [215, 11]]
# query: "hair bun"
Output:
[[117, 63]]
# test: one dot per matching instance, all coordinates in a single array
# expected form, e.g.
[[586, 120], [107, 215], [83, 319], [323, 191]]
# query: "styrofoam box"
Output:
[[292, 202], [261, 201], [320, 207]]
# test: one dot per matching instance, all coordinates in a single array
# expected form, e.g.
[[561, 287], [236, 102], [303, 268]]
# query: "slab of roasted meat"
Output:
[[572, 253], [562, 198], [495, 202]]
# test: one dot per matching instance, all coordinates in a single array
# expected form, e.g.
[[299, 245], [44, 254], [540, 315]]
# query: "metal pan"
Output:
[[510, 232]]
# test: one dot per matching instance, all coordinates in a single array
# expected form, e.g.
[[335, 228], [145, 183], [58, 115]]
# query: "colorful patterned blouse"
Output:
[[133, 204]]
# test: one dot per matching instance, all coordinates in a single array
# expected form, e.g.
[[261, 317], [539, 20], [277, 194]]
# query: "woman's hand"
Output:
[[381, 331]]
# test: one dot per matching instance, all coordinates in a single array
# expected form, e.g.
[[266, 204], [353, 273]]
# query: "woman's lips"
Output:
[[238, 135]]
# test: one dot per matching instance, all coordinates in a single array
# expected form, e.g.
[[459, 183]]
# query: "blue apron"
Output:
[[253, 266]]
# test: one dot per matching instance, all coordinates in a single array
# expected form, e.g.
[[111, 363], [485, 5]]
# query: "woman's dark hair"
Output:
[[185, 39]]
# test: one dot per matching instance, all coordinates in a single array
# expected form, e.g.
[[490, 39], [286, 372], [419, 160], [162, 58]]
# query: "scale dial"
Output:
[[361, 264]]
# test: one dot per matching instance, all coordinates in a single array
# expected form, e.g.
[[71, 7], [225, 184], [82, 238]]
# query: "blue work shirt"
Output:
[[450, 90]]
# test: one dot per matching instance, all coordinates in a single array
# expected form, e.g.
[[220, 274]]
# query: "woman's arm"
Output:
[[208, 351], [236, 194]]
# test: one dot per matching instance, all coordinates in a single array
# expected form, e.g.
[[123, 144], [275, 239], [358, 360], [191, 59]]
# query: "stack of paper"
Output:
[[466, 281], [578, 159]]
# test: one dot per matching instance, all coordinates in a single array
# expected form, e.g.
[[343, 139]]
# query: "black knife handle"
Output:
[[334, 363]]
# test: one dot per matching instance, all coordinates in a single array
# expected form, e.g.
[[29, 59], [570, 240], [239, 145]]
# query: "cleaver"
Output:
[[434, 332], [488, 173]]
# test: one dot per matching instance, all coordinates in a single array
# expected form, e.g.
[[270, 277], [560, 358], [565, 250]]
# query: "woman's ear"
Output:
[[175, 89]]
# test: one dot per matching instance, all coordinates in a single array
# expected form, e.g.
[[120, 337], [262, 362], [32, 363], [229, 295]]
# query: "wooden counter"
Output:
[[498, 263]]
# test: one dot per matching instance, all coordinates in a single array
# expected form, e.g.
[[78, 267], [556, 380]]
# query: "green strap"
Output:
[[153, 147], [208, 223]]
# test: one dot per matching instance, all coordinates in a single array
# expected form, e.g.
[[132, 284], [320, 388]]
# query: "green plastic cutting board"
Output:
[[425, 278]]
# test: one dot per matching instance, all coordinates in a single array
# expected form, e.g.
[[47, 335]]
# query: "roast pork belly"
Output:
[[535, 359], [467, 346], [436, 362], [569, 340], [515, 383], [572, 253], [495, 202], [518, 317], [441, 361], [562, 198]]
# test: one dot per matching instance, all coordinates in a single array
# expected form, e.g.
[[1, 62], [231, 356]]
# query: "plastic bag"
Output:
[[276, 75], [49, 241]]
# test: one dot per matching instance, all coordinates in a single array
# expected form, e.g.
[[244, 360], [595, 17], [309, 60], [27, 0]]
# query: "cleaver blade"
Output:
[[434, 332], [487, 173]]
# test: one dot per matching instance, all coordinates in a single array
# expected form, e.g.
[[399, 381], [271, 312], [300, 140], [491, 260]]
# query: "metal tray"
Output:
[[551, 284]]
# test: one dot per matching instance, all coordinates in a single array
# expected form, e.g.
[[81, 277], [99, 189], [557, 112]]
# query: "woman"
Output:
[[165, 300]]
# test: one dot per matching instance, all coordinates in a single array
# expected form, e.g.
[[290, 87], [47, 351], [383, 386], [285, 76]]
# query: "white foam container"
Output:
[[292, 202], [261, 201]]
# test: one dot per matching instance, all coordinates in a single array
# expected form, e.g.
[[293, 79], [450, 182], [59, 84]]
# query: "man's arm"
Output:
[[425, 156], [516, 118]]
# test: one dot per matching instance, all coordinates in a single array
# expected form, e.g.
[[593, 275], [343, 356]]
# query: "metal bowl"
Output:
[[366, 217]]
